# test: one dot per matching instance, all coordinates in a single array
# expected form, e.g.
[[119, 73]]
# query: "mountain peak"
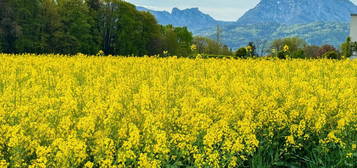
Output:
[[299, 11], [174, 10], [192, 18]]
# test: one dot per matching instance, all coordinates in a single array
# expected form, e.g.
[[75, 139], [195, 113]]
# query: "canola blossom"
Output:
[[59, 111]]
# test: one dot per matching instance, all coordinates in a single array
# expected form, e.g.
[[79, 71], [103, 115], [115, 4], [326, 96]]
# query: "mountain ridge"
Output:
[[312, 20], [299, 11], [192, 18]]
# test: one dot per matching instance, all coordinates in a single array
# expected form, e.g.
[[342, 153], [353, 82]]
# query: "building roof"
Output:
[[354, 14]]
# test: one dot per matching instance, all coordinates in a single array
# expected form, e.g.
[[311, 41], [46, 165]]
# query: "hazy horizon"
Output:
[[225, 10]]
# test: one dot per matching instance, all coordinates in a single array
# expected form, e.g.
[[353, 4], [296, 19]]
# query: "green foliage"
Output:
[[75, 26], [346, 50], [176, 40], [282, 55], [8, 28], [294, 44], [241, 53], [184, 40], [354, 46], [331, 55], [208, 46], [311, 51], [1, 40], [86, 26], [298, 54], [23, 24], [51, 25], [325, 49], [251, 49], [169, 40]]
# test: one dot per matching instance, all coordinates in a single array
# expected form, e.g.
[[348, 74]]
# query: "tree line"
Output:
[[294, 47], [86, 26]]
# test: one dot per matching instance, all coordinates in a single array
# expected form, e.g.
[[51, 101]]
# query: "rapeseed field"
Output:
[[81, 111]]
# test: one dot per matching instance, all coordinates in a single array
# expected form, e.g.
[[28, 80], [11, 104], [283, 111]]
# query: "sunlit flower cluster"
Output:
[[59, 111]]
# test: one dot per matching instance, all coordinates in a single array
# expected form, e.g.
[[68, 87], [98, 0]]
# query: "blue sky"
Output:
[[229, 10]]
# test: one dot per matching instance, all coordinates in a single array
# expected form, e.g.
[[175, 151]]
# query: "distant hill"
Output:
[[192, 18], [299, 11], [316, 21], [317, 33]]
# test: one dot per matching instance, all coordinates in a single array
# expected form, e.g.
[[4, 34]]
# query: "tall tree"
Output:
[[184, 40], [87, 26], [76, 29], [107, 29], [150, 34], [94, 4], [50, 26], [209, 46], [294, 44], [346, 50], [95, 11], [28, 21], [170, 39]]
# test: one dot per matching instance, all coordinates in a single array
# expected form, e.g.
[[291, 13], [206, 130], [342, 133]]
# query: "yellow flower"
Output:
[[286, 48], [100, 53], [193, 47], [290, 140], [349, 155], [249, 48], [89, 165], [198, 56], [84, 111]]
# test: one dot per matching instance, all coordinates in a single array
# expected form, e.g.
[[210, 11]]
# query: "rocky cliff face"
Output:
[[192, 18], [299, 11]]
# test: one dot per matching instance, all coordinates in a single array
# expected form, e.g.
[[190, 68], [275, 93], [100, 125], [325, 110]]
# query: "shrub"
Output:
[[241, 53], [311, 51], [324, 49], [331, 55], [298, 54], [282, 55]]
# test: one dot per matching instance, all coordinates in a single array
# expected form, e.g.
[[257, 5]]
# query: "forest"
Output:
[[73, 26]]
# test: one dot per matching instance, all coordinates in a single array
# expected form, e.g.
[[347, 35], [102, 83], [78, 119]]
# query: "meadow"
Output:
[[81, 111]]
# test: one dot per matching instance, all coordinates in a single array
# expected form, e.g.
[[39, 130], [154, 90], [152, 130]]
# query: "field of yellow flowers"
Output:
[[58, 111]]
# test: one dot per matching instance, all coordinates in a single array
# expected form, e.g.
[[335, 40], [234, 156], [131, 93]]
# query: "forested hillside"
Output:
[[71, 26]]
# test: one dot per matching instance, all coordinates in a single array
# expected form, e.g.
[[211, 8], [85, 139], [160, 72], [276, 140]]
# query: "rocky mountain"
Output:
[[317, 33], [299, 11], [192, 18], [316, 21]]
